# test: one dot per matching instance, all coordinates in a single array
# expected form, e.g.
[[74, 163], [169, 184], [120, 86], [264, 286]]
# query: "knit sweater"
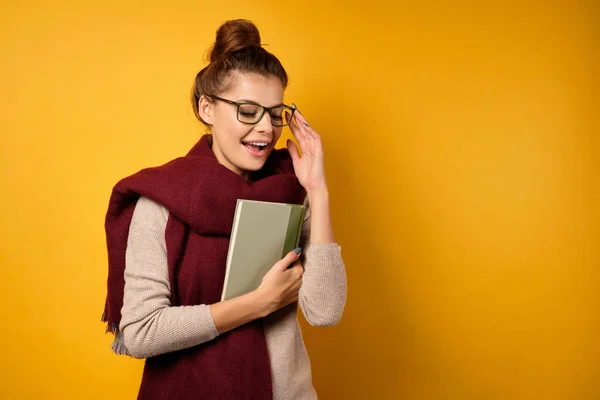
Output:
[[151, 326]]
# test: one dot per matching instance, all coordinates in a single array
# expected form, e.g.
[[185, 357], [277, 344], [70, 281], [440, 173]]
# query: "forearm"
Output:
[[149, 323], [166, 329], [229, 314], [321, 226], [323, 293]]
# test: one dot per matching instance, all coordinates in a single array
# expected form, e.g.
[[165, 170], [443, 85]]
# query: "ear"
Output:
[[205, 109]]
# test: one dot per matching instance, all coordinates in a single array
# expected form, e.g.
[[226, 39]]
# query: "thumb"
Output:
[[293, 149], [290, 258]]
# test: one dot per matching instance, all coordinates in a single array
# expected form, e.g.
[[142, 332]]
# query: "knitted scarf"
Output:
[[200, 195]]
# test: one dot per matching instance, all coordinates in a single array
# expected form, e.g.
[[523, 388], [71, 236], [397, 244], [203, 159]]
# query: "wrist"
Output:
[[318, 194], [261, 302]]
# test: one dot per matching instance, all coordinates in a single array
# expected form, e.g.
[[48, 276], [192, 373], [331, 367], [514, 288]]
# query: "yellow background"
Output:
[[462, 156]]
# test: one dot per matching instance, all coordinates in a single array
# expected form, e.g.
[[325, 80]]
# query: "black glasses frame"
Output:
[[264, 109]]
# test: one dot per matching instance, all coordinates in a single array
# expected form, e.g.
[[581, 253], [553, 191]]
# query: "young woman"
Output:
[[168, 232]]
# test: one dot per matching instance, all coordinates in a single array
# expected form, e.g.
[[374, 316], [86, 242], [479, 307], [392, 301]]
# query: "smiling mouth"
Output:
[[256, 148]]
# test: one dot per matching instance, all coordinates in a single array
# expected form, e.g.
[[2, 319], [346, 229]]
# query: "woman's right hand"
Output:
[[280, 286]]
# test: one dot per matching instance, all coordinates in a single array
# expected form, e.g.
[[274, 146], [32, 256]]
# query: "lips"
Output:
[[256, 148]]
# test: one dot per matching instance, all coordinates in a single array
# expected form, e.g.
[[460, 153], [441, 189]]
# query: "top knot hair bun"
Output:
[[234, 35], [237, 49]]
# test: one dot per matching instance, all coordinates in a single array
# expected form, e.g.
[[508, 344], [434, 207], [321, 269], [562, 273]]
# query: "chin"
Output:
[[253, 166]]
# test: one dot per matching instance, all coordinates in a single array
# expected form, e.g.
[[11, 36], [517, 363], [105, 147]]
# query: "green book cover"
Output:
[[262, 234]]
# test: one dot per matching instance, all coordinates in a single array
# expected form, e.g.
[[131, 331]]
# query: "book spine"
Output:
[[294, 229]]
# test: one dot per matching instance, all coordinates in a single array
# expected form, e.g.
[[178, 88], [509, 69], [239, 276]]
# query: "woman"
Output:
[[168, 231]]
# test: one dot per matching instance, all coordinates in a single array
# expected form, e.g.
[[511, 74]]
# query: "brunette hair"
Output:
[[237, 48]]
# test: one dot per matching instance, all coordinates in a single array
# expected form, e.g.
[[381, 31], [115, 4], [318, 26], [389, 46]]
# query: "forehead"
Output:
[[267, 91]]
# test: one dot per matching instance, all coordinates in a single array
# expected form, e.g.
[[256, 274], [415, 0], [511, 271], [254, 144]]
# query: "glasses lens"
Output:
[[249, 113], [278, 117]]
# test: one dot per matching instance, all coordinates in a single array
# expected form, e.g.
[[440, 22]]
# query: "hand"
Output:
[[280, 286], [309, 168]]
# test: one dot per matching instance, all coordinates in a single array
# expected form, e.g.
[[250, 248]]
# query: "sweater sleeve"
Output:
[[322, 297], [150, 325]]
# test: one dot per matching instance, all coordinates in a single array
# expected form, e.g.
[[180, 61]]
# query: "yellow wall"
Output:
[[462, 159]]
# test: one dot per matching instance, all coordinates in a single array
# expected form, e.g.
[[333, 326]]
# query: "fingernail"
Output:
[[296, 107], [298, 250]]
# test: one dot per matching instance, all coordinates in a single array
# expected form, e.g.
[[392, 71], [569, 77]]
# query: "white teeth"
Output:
[[258, 144]]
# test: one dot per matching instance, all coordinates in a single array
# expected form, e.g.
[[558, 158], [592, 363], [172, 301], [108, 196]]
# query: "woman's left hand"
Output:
[[309, 168]]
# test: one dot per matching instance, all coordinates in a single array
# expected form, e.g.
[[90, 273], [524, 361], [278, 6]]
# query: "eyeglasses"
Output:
[[251, 113]]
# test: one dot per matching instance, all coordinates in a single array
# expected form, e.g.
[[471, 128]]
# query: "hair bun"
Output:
[[234, 35]]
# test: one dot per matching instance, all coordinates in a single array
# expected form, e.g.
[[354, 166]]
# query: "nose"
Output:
[[265, 125]]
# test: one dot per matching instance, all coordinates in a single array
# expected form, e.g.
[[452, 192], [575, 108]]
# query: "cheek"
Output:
[[234, 131], [226, 121]]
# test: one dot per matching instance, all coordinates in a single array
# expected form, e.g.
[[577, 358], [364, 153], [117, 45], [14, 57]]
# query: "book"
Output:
[[262, 234]]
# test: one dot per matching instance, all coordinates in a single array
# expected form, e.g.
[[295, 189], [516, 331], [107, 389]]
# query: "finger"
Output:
[[297, 270], [290, 257], [298, 130], [298, 263], [298, 286], [288, 117], [308, 138], [298, 115], [299, 119], [291, 120], [310, 132], [294, 298], [293, 149], [303, 122]]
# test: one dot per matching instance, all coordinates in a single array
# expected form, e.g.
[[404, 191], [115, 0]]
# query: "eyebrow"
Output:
[[257, 103]]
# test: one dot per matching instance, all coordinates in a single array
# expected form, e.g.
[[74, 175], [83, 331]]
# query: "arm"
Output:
[[323, 294], [150, 325], [322, 297], [321, 230]]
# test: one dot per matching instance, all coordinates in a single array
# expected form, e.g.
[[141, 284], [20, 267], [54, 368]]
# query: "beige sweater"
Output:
[[151, 326]]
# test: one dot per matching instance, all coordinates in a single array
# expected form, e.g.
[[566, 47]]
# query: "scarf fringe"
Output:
[[118, 344], [111, 327]]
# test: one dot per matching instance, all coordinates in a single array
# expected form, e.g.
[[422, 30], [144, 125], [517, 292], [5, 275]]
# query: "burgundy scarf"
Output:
[[201, 196]]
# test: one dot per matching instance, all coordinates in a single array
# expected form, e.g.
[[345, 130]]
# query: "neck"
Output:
[[247, 175]]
